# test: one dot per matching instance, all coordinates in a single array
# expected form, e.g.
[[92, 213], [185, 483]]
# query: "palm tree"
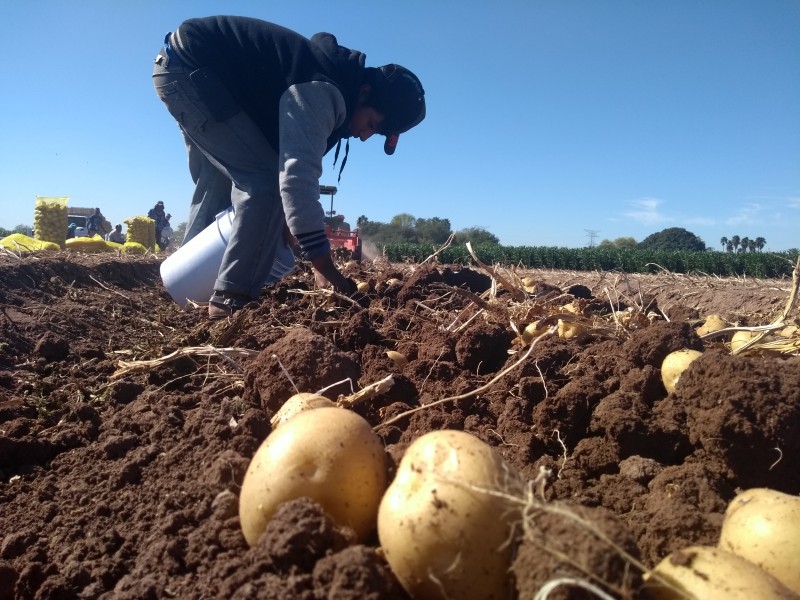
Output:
[[724, 241], [760, 243], [735, 242], [744, 243]]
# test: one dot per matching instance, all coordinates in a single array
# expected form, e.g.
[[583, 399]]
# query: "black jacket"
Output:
[[258, 61]]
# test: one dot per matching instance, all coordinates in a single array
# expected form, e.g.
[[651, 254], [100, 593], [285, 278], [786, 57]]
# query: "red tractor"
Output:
[[345, 243]]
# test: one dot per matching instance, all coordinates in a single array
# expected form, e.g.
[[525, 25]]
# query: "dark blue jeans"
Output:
[[231, 162]]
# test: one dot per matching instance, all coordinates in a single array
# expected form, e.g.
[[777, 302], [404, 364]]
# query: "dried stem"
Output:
[[372, 390], [126, 367], [440, 250]]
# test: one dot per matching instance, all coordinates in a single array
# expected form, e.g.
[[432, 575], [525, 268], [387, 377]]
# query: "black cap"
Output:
[[398, 94]]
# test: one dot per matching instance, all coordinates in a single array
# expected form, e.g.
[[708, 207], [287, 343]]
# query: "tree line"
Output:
[[408, 229], [742, 244], [25, 229], [678, 238], [670, 239]]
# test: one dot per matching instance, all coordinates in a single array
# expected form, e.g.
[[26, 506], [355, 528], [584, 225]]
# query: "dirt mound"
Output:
[[127, 424]]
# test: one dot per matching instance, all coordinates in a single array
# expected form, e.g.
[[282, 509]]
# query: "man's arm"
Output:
[[309, 113]]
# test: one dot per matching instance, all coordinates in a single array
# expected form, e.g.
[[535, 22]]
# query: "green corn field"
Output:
[[750, 264]]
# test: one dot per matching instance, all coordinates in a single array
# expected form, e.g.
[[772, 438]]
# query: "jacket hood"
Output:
[[344, 66]]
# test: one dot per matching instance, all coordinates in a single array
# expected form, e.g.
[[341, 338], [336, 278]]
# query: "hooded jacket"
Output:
[[300, 92]]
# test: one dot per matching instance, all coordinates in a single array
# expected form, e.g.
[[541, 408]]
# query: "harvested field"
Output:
[[126, 424]]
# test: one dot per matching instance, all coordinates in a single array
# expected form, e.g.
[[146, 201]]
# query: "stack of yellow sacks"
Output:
[[50, 232], [50, 219], [141, 231]]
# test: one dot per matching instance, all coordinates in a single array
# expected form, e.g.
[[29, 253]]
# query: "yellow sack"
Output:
[[88, 244], [50, 219], [19, 242], [134, 248], [142, 230]]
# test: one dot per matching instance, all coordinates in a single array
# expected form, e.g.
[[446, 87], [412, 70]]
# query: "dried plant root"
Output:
[[372, 390], [137, 366], [528, 499], [553, 584]]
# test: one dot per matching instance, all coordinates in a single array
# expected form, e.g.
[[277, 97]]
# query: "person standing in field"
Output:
[[94, 224], [117, 235], [259, 106], [161, 219]]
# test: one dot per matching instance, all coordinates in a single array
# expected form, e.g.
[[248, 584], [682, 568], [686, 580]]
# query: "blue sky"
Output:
[[547, 120]]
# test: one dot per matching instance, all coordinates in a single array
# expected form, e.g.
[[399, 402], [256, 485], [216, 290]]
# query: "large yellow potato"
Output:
[[706, 573], [297, 404], [442, 539], [673, 366], [763, 526], [330, 455]]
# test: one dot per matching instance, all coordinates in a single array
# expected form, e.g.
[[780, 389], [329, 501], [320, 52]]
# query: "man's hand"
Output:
[[325, 272], [324, 267]]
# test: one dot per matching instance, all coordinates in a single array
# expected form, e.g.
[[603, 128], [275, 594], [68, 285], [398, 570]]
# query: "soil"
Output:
[[124, 437]]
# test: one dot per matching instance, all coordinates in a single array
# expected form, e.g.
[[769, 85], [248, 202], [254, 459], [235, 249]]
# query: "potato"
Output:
[[297, 404], [789, 331], [328, 454], [398, 357], [530, 332], [740, 338], [568, 330], [763, 526], [529, 284], [440, 538], [673, 366], [573, 308], [711, 324], [706, 573]]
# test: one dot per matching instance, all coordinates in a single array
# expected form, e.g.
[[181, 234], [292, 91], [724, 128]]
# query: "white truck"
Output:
[[79, 216]]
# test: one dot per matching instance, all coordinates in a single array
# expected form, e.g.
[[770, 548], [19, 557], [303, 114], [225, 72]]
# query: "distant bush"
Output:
[[674, 238]]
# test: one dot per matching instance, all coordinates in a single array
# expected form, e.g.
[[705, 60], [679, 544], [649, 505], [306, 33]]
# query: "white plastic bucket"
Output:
[[190, 272], [283, 265]]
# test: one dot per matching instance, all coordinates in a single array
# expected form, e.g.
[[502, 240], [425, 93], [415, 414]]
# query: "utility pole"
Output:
[[592, 234]]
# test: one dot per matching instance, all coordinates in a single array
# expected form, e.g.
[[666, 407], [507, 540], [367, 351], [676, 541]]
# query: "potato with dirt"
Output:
[[673, 366], [328, 454], [763, 526], [443, 524]]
